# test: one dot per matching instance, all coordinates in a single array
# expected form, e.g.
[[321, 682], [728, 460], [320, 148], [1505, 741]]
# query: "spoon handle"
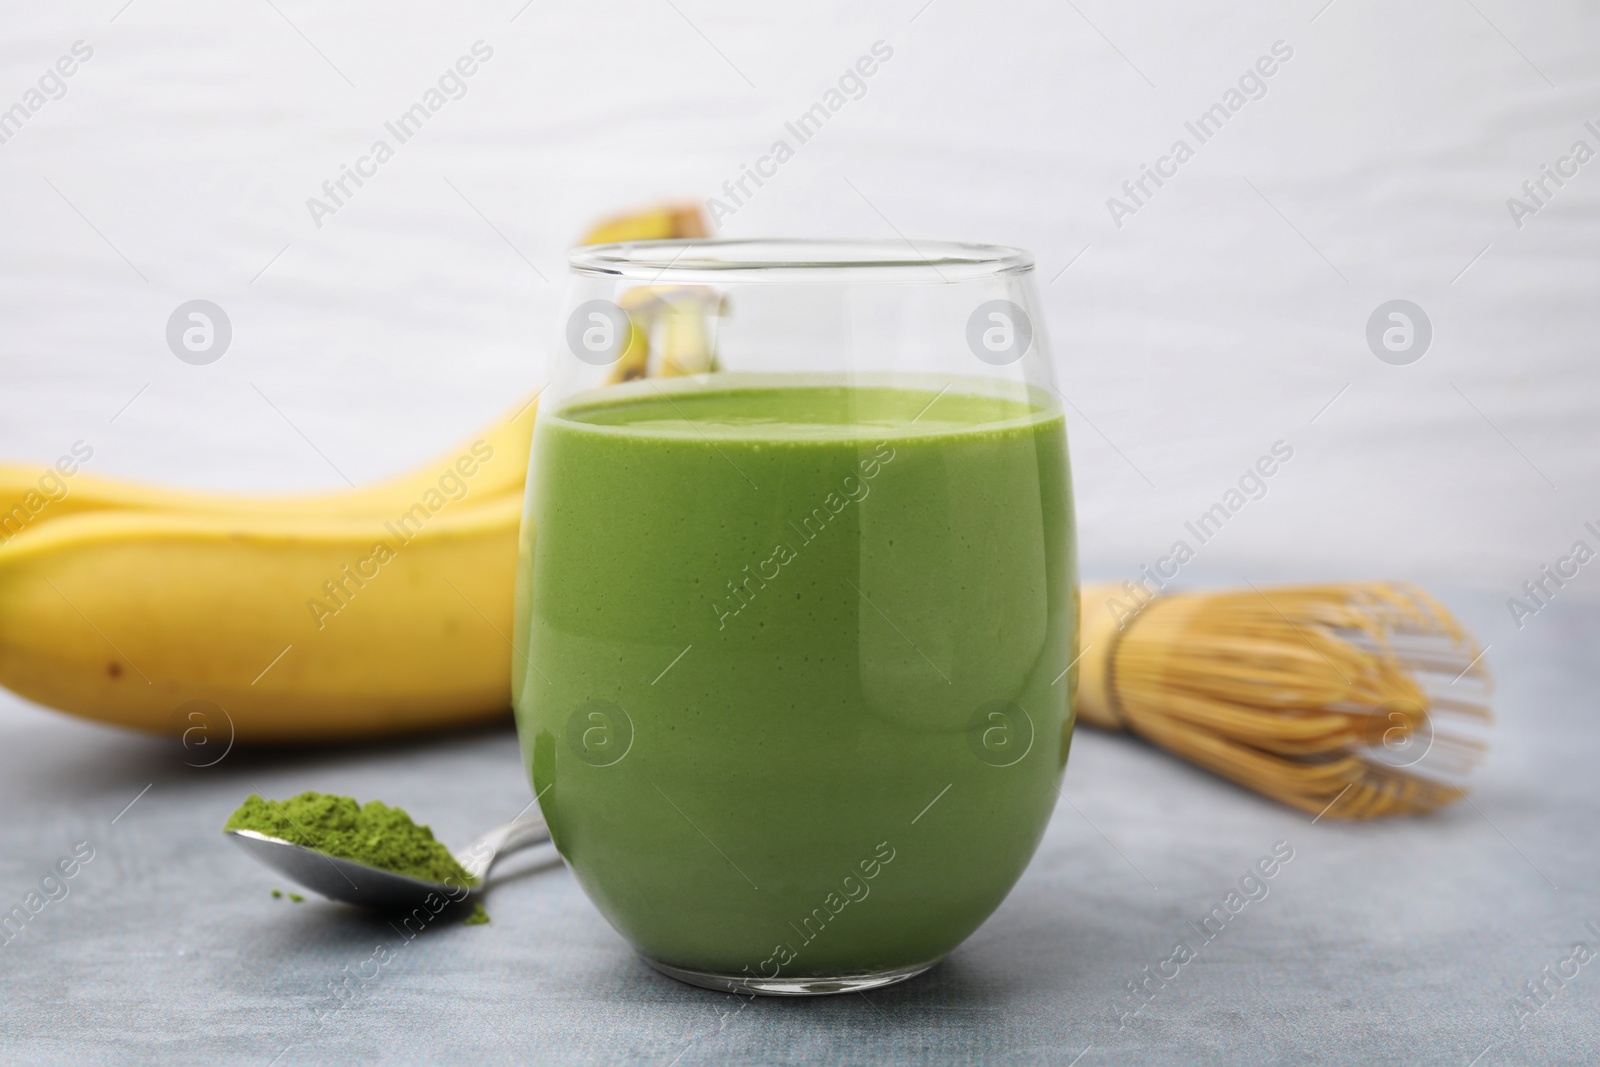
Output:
[[517, 834]]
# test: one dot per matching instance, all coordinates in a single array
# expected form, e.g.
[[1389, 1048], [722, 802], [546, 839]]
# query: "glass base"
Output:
[[784, 986]]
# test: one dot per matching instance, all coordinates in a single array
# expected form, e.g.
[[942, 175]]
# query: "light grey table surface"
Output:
[[1398, 942]]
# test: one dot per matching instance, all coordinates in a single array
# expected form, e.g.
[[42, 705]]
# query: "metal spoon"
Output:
[[373, 887]]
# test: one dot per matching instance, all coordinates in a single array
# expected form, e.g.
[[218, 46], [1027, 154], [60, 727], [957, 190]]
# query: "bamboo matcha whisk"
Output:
[[1351, 700]]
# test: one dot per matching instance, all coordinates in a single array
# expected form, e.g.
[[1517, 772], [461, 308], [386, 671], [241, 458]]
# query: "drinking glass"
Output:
[[797, 602]]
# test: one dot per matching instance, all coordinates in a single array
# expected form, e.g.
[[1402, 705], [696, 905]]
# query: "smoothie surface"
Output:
[[803, 411]]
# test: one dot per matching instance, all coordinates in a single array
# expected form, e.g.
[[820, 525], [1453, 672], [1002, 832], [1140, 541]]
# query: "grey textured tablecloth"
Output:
[[1406, 941]]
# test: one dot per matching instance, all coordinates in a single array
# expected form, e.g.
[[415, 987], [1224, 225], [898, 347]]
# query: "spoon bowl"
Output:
[[367, 886]]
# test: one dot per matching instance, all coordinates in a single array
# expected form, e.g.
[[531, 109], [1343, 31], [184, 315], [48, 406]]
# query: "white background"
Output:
[[1224, 316]]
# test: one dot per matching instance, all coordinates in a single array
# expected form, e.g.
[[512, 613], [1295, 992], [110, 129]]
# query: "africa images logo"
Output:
[[1399, 332], [199, 332]]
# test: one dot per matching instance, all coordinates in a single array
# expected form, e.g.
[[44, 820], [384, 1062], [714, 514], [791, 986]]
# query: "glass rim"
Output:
[[737, 258]]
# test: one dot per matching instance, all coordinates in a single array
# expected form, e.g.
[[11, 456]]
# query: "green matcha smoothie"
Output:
[[793, 697]]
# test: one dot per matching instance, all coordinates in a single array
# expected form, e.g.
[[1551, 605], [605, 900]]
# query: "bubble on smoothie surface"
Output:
[[372, 833]]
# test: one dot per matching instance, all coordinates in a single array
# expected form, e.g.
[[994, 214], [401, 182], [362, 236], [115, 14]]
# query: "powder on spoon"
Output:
[[371, 833]]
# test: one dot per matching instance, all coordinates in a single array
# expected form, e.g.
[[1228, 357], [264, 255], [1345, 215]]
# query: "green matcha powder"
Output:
[[372, 833]]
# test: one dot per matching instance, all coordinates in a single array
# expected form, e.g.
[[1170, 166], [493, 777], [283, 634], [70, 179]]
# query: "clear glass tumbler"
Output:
[[797, 601]]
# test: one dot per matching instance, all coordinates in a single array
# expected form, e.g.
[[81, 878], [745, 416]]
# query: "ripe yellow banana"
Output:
[[31, 495], [655, 224], [302, 618], [297, 629]]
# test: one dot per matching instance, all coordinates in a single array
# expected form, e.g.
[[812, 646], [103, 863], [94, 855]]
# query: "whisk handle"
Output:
[[1098, 633]]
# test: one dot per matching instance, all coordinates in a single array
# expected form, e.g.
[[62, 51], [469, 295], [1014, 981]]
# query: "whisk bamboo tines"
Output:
[[1350, 700]]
